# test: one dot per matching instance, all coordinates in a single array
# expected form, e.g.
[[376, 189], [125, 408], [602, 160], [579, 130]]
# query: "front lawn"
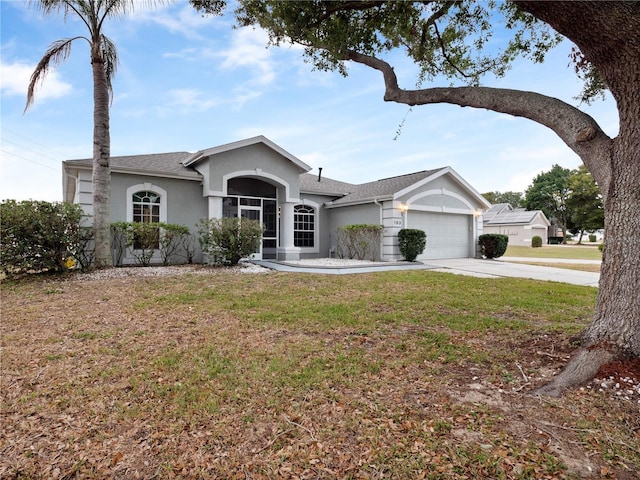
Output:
[[576, 252], [222, 374]]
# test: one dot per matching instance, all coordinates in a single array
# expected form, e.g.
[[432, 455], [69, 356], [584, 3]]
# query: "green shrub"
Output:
[[592, 238], [493, 245], [601, 246], [172, 240], [146, 239], [359, 241], [536, 241], [228, 240], [41, 236], [119, 242], [412, 243], [141, 238]]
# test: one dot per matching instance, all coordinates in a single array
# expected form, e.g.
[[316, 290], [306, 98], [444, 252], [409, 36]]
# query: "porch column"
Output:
[[478, 224], [286, 250], [215, 207]]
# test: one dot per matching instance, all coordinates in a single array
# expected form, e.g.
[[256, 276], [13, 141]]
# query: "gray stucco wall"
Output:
[[185, 204], [323, 218], [350, 215]]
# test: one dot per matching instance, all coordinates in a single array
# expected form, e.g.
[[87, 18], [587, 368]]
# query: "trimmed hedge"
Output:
[[170, 241], [493, 245], [536, 241], [412, 243], [361, 241], [228, 240]]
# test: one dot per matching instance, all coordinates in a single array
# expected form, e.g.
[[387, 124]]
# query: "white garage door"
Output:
[[448, 235]]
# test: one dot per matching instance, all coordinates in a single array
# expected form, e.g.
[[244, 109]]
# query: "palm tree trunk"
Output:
[[101, 156]]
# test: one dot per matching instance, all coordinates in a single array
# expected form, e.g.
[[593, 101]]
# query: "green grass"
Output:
[[578, 252], [266, 376]]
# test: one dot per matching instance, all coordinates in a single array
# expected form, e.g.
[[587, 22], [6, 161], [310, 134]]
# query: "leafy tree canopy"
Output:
[[550, 192], [455, 39], [585, 202], [515, 199]]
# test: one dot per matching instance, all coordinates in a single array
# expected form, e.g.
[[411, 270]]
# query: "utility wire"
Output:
[[29, 150], [32, 141], [28, 159]]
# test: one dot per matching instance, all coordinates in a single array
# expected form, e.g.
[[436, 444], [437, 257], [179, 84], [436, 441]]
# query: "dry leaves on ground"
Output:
[[122, 375]]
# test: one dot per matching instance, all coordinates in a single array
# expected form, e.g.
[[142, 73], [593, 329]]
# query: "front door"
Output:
[[253, 213]]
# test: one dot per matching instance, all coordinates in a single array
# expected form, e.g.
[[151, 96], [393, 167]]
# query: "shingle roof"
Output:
[[385, 187], [167, 164], [171, 164], [327, 186]]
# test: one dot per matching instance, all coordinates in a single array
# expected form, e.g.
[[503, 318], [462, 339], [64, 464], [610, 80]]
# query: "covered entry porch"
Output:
[[263, 200]]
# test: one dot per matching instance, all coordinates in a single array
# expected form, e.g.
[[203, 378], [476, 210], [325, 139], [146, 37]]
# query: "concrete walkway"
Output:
[[332, 270], [503, 267]]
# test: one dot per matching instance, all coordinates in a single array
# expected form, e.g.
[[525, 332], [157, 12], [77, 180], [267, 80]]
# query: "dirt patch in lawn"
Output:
[[182, 374]]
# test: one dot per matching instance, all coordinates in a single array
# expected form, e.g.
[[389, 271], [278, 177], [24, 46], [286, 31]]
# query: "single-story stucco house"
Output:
[[519, 224], [300, 211]]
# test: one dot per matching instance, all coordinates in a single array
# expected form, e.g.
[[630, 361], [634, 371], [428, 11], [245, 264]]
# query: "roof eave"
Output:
[[324, 192], [82, 165], [361, 201], [151, 173]]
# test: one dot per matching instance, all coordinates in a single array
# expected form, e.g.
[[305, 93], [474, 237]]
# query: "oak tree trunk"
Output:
[[608, 35], [614, 332]]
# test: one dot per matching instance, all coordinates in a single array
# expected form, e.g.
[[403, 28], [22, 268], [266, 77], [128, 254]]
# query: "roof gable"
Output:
[[498, 208], [394, 187], [209, 152]]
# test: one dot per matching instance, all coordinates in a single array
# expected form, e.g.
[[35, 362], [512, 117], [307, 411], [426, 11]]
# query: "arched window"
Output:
[[146, 207], [304, 226], [146, 203]]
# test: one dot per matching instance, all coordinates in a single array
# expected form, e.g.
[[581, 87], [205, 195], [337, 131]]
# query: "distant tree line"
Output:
[[569, 198]]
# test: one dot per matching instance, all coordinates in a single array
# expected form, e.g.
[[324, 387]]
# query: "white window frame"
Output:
[[316, 226], [162, 193]]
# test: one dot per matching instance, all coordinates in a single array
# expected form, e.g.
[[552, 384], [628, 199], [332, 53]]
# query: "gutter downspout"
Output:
[[65, 185], [381, 246]]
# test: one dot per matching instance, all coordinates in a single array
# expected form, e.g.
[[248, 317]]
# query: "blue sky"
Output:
[[186, 83]]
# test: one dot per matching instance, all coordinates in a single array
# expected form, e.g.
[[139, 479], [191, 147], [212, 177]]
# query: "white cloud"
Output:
[[191, 100], [185, 21], [16, 77], [248, 50]]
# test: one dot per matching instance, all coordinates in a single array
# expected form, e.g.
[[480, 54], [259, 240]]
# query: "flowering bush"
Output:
[[40, 236]]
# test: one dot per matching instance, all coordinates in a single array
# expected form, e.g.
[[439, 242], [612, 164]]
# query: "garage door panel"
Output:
[[448, 235]]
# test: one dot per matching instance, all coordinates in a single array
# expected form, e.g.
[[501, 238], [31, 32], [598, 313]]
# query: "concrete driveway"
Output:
[[503, 267]]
